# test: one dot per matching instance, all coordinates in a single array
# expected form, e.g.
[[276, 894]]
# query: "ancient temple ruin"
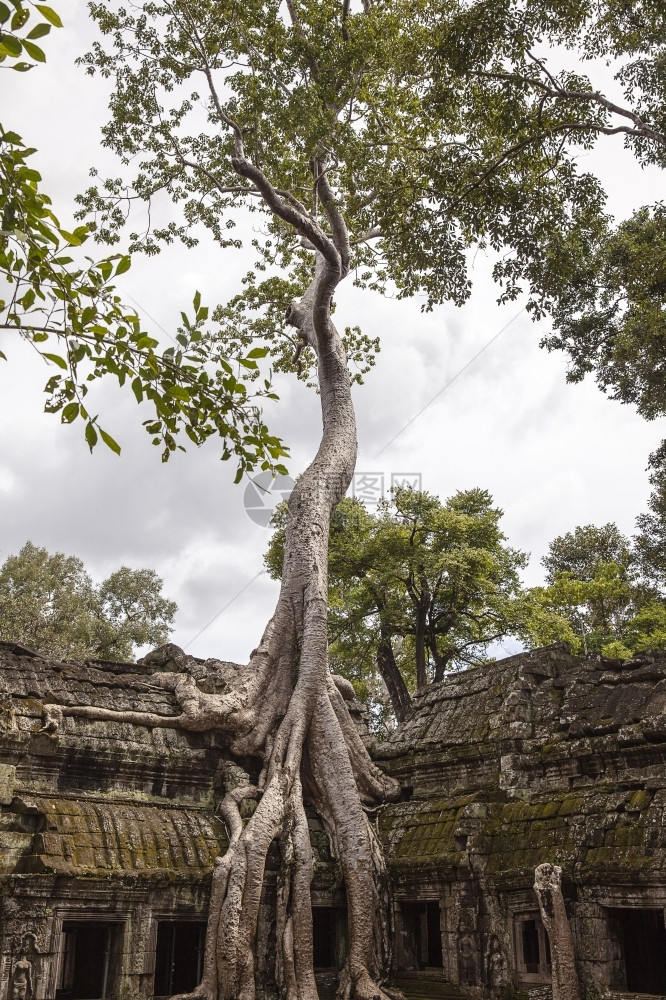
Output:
[[109, 831]]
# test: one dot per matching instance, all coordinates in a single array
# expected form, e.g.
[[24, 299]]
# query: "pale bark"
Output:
[[286, 708], [548, 888]]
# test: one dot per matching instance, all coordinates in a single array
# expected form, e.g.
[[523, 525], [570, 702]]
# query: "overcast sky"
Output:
[[552, 455]]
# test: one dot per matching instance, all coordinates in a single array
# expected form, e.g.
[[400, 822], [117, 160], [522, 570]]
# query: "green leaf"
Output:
[[91, 436], [21, 67], [196, 301], [10, 46], [137, 389], [258, 352], [3, 356], [71, 238], [5, 13], [39, 31], [56, 360], [21, 15], [34, 51], [49, 14], [105, 268], [12, 137], [179, 392], [124, 264], [70, 413], [109, 442]]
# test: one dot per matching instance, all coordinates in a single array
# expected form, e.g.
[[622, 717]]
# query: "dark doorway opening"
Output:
[[325, 937], [421, 935], [86, 961], [178, 956], [643, 937], [532, 949], [531, 953]]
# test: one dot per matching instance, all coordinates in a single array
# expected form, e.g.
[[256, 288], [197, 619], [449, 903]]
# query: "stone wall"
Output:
[[538, 758]]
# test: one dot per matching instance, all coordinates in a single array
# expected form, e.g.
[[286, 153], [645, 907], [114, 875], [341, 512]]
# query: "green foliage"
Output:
[[66, 306], [597, 598], [440, 127], [521, 120], [650, 540], [49, 602], [18, 33], [436, 580]]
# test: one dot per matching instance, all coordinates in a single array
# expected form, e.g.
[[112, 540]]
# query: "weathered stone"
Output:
[[538, 758], [7, 783]]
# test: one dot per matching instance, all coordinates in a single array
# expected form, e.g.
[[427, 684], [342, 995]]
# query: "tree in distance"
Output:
[[420, 588], [49, 603], [368, 143], [597, 596]]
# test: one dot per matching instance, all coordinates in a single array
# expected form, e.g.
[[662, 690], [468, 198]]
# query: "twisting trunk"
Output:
[[285, 707]]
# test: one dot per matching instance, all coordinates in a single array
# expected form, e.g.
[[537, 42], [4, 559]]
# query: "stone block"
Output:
[[7, 783]]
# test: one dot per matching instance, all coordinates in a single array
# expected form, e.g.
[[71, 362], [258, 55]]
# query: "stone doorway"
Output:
[[643, 938], [178, 956], [327, 937], [533, 962], [421, 935], [87, 961]]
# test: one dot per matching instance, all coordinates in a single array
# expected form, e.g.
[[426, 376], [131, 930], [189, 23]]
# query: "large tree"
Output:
[[332, 125], [49, 602]]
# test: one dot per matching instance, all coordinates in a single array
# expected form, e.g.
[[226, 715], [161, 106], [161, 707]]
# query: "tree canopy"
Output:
[[49, 602], [600, 595]]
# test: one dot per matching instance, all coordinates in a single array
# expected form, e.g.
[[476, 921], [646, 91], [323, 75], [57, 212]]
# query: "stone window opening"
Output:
[[422, 938], [642, 937], [328, 937], [179, 955], [533, 962], [87, 960]]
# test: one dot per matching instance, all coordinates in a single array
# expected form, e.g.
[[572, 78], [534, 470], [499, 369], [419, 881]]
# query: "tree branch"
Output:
[[333, 214], [285, 211]]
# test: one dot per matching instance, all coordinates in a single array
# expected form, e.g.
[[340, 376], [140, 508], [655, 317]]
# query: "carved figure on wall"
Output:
[[466, 957], [20, 985], [496, 965]]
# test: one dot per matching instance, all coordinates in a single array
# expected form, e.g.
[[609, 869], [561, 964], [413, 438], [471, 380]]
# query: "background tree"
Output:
[[419, 589], [49, 603], [650, 539], [596, 596]]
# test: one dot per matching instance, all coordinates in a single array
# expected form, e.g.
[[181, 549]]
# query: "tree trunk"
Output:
[[285, 708], [401, 701], [548, 888], [420, 645]]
